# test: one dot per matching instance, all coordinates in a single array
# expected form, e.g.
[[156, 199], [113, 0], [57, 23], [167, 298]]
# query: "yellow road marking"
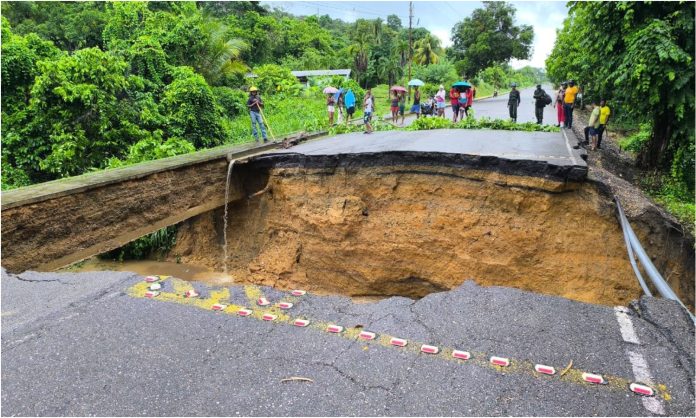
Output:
[[480, 359]]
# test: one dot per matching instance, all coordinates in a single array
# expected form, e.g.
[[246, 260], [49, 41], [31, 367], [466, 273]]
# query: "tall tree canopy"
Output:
[[640, 55], [489, 37]]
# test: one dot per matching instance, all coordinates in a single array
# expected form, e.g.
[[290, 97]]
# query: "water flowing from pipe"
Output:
[[227, 198]]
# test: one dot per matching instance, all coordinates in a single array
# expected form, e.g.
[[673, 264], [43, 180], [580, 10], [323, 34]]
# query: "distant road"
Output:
[[496, 108]]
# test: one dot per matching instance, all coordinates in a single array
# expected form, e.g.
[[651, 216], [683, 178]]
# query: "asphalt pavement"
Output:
[[92, 344], [496, 108], [551, 147]]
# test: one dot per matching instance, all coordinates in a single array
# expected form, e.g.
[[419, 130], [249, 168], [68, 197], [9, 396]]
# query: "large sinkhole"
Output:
[[366, 229]]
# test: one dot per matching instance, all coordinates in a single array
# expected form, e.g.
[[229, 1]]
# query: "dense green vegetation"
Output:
[[481, 123], [640, 56], [489, 37], [93, 85]]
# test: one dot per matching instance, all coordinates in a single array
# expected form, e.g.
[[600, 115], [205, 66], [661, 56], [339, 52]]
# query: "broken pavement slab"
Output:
[[103, 353]]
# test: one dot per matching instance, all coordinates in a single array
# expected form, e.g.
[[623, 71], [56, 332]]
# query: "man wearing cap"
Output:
[[539, 103], [513, 102], [255, 104], [569, 103]]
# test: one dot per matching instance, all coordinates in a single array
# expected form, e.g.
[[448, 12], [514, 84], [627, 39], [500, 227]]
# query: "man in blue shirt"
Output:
[[255, 104]]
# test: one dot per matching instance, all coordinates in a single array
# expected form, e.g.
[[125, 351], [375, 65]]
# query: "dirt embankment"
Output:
[[669, 243], [393, 230]]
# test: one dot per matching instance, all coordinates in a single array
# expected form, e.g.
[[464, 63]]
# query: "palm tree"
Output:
[[377, 30], [360, 52], [388, 69], [400, 49], [427, 50], [221, 55]]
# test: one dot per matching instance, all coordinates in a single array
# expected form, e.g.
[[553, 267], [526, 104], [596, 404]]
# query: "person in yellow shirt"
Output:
[[569, 103], [604, 113]]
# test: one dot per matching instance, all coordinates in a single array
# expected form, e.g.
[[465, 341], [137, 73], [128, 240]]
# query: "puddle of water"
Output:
[[149, 267]]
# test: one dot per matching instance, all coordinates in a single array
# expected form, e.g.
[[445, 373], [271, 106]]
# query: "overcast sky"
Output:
[[440, 16]]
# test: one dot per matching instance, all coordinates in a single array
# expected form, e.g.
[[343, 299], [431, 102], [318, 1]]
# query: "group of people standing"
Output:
[[565, 103], [341, 101]]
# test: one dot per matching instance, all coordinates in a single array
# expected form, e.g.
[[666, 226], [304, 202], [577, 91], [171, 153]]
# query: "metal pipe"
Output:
[[655, 277], [631, 256]]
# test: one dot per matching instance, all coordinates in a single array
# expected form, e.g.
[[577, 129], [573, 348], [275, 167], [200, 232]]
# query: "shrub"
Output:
[[192, 111], [270, 76], [232, 101], [635, 142]]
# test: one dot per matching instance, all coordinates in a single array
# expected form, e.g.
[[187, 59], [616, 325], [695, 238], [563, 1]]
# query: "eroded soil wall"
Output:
[[413, 230]]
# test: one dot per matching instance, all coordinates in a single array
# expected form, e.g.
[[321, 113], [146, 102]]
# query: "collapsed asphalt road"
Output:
[[92, 344]]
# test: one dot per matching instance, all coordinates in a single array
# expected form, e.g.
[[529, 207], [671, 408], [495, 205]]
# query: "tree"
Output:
[[401, 50], [494, 75], [78, 116], [643, 59], [221, 55], [490, 37], [20, 57], [360, 52], [192, 110], [394, 23], [427, 50]]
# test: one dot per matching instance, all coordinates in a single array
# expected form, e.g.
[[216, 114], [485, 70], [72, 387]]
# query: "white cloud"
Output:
[[444, 35]]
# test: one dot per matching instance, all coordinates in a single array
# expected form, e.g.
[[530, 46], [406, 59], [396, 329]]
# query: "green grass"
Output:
[[286, 116], [672, 195]]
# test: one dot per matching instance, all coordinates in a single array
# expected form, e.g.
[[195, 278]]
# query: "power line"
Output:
[[354, 10]]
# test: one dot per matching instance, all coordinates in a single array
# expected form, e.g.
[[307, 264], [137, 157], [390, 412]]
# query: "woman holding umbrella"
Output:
[[394, 105], [396, 92], [463, 88]]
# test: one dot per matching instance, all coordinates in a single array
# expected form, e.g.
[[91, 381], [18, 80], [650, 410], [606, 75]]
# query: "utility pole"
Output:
[[410, 44]]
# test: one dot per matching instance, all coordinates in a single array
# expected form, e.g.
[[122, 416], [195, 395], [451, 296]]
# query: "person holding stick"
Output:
[[255, 104]]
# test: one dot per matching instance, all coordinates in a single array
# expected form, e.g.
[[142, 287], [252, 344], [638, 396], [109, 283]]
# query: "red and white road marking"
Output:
[[151, 294], [500, 361], [462, 355], [367, 335], [301, 323], [269, 317], [298, 292], [155, 286], [593, 378], [399, 342], [540, 368], [218, 307], [191, 294], [244, 312], [642, 389], [429, 349], [334, 328], [151, 279], [285, 305], [263, 302]]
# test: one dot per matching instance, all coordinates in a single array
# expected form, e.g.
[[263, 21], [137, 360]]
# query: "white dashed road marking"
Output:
[[641, 370]]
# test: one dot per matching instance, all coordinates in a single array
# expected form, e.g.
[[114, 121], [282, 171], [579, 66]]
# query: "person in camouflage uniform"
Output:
[[514, 102]]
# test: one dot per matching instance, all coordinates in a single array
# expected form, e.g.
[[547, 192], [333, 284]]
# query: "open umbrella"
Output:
[[397, 88], [330, 90], [461, 85], [415, 82], [338, 94]]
